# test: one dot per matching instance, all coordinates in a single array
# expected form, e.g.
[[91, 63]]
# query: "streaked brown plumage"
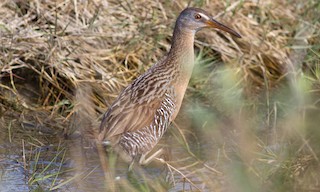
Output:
[[138, 118]]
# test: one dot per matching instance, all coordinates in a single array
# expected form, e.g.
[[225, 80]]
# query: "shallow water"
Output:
[[12, 174], [23, 162], [31, 161]]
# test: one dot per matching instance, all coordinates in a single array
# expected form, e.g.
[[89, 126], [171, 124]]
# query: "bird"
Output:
[[143, 111]]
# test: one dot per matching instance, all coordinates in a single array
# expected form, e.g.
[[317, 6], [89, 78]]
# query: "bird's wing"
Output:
[[136, 106]]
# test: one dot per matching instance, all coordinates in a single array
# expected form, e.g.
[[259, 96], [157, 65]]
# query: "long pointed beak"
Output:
[[215, 24]]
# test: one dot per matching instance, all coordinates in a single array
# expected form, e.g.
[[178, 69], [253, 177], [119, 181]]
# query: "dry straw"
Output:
[[51, 46]]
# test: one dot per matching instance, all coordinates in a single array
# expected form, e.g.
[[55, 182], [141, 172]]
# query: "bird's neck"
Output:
[[181, 53], [182, 43], [181, 58]]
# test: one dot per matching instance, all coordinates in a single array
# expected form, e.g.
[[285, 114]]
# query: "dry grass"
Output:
[[53, 46], [263, 99]]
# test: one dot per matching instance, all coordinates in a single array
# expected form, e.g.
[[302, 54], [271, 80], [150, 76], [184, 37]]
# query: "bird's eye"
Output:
[[197, 16]]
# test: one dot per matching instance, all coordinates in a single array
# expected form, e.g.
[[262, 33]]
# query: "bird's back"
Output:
[[141, 114]]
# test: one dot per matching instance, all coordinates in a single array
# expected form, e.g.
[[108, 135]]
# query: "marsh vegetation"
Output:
[[250, 118]]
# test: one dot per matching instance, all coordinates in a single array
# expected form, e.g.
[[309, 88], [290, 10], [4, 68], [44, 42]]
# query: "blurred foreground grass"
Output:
[[250, 119]]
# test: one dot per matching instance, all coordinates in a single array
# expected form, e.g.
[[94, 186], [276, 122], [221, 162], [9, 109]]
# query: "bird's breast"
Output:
[[182, 81]]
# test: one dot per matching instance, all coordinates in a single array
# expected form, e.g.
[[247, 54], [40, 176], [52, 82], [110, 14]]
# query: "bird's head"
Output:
[[195, 19]]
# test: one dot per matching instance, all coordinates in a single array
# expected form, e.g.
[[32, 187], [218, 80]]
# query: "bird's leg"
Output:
[[131, 165], [144, 161]]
